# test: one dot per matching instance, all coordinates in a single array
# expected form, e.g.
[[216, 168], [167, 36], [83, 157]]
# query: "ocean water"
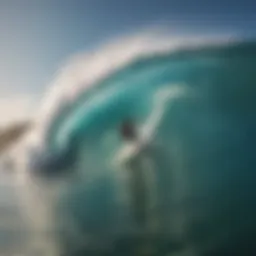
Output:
[[194, 110], [13, 230]]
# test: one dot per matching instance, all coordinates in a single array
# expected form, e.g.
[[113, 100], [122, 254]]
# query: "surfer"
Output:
[[133, 159], [140, 158]]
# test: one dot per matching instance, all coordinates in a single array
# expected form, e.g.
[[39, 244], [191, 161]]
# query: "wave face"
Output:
[[194, 109]]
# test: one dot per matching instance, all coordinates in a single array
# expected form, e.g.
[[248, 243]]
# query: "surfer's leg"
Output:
[[143, 193], [138, 196]]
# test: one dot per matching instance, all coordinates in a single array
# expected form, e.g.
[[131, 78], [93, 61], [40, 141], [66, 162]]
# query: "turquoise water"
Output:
[[203, 153]]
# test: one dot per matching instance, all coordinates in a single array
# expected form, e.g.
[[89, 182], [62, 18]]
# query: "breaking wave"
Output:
[[190, 97]]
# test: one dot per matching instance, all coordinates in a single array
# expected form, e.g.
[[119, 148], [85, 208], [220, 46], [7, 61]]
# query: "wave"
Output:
[[100, 72], [185, 96], [86, 71]]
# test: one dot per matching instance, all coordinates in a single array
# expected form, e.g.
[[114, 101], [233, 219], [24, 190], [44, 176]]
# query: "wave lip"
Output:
[[84, 71]]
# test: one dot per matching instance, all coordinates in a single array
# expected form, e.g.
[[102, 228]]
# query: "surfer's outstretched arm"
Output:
[[161, 98]]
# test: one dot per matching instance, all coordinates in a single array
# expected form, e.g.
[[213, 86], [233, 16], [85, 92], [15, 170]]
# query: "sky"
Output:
[[37, 36]]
